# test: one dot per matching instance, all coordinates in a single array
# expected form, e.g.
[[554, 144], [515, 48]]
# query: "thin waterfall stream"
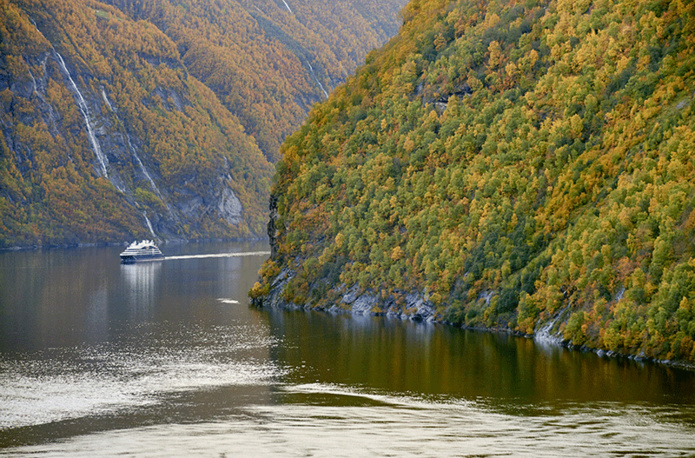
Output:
[[84, 109]]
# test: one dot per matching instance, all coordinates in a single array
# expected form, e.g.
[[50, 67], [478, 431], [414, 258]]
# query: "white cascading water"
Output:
[[33, 83], [131, 147], [84, 109], [152, 183], [288, 7], [106, 99], [317, 80], [39, 90], [142, 167], [96, 147], [144, 171], [149, 225]]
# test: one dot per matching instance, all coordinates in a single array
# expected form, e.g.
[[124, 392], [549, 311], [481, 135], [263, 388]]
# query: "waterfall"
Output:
[[33, 83], [287, 6], [84, 109], [317, 80], [144, 171], [106, 99], [142, 166], [39, 89], [82, 105], [149, 225], [345, 73], [150, 180], [132, 149]]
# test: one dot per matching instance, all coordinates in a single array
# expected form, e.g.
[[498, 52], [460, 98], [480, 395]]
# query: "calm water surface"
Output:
[[168, 359]]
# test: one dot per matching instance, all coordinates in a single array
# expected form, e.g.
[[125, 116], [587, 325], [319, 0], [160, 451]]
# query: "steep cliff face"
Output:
[[125, 119], [106, 136]]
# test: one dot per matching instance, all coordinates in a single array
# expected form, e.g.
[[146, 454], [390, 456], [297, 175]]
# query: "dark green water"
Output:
[[167, 358]]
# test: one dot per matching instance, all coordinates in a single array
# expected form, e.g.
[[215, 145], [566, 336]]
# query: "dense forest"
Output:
[[520, 165], [269, 61], [125, 119]]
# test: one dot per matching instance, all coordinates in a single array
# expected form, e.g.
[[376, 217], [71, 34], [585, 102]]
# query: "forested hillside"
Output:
[[269, 61], [129, 119], [502, 164]]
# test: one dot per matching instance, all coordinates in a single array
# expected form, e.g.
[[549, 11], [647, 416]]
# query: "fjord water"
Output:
[[168, 359]]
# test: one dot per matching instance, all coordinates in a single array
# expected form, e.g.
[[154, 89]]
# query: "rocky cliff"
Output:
[[127, 119], [107, 137]]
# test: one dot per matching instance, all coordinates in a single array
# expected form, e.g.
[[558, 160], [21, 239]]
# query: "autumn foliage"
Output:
[[523, 165], [201, 92]]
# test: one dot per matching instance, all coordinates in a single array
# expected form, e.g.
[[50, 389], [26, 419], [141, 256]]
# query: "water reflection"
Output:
[[43, 296], [96, 314], [141, 281], [57, 298], [88, 344], [168, 359], [390, 356]]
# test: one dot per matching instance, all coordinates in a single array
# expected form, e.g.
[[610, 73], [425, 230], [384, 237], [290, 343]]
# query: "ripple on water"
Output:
[[58, 385], [408, 424], [303, 421]]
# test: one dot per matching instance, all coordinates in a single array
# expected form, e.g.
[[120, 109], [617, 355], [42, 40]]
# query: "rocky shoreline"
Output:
[[418, 309]]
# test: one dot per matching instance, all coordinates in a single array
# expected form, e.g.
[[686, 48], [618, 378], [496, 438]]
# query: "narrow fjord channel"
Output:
[[167, 359]]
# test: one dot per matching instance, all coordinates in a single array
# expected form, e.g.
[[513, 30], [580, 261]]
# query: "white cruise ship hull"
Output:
[[141, 252], [134, 259]]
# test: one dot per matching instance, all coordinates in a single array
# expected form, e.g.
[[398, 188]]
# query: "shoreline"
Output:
[[552, 341]]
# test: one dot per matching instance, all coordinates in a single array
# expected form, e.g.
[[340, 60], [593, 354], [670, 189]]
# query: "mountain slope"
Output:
[[525, 166], [114, 128], [105, 134], [268, 61]]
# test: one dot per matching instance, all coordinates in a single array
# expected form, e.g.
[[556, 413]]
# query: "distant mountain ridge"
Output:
[[524, 166], [113, 131]]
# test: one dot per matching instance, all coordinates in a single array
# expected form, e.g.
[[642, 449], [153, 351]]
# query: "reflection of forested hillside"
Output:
[[518, 165], [127, 119]]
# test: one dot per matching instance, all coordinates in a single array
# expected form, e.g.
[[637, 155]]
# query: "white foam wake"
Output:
[[218, 255]]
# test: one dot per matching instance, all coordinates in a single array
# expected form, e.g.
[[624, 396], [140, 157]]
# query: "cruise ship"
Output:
[[141, 251]]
